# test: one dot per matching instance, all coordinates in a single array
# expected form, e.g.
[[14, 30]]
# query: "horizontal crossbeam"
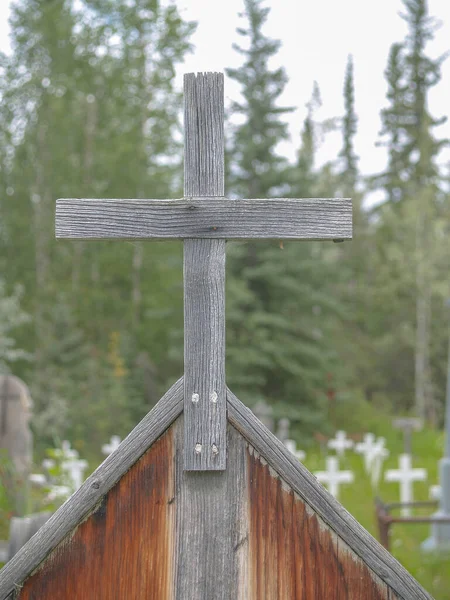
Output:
[[215, 218]]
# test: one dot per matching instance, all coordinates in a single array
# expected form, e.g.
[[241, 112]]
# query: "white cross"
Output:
[[67, 453], [365, 447], [405, 475], [38, 479], [332, 477], [377, 456], [58, 491], [75, 468], [291, 445], [114, 443], [340, 443]]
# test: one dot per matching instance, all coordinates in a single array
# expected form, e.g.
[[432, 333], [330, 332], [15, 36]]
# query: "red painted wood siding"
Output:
[[123, 550]]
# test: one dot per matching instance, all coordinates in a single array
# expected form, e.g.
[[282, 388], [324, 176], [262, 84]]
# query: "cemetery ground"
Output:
[[432, 571]]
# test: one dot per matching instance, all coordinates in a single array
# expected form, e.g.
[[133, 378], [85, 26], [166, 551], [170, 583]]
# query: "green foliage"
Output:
[[349, 159], [11, 317], [90, 109], [278, 305], [9, 488], [257, 170]]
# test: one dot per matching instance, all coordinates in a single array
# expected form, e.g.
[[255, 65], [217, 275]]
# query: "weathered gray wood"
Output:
[[22, 529], [214, 218], [211, 546], [87, 497], [204, 355], [205, 424], [203, 134], [313, 493]]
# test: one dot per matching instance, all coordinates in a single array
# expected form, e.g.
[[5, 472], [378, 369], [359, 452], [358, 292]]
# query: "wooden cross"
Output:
[[204, 219]]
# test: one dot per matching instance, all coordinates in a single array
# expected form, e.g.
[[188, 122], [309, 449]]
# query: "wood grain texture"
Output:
[[213, 218], [205, 421], [205, 415], [203, 134], [124, 549], [303, 483], [86, 498], [359, 581], [211, 529], [293, 554]]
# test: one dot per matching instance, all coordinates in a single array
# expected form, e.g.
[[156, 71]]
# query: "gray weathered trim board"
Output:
[[86, 498], [205, 396], [324, 504], [204, 217]]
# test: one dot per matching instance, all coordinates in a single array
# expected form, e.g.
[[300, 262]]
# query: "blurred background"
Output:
[[323, 99]]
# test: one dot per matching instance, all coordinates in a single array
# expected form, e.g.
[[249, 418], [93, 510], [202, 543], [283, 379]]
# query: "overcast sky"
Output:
[[317, 36]]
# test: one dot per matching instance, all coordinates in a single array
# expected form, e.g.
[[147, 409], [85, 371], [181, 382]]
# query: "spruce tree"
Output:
[[349, 170], [276, 308], [258, 169], [394, 120], [412, 178], [88, 110]]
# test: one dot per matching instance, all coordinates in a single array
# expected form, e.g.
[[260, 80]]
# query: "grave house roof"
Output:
[[86, 500]]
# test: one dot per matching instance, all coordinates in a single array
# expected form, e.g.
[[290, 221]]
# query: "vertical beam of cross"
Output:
[[204, 280]]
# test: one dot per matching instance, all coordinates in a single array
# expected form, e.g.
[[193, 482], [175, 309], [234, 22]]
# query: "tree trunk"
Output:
[[423, 388]]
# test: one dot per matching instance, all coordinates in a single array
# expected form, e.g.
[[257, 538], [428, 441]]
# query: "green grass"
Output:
[[431, 571]]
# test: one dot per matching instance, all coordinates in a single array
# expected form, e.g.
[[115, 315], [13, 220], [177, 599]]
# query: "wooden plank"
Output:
[[205, 421], [360, 581], [204, 145], [125, 547], [211, 546], [87, 497], [204, 355], [333, 514], [213, 218]]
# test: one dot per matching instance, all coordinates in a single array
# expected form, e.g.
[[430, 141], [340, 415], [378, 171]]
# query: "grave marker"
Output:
[[332, 478], [405, 475], [204, 219], [291, 445], [340, 443], [407, 425], [75, 468], [112, 446], [377, 456], [365, 448]]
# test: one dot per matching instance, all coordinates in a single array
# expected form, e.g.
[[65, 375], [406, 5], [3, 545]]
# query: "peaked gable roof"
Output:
[[85, 500]]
